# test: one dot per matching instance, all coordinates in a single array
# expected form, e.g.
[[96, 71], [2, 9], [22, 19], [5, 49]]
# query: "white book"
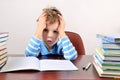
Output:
[[2, 52], [4, 34], [111, 46], [3, 39], [32, 63], [2, 43]]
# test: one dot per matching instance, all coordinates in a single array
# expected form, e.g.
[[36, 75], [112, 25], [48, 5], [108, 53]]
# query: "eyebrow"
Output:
[[55, 30]]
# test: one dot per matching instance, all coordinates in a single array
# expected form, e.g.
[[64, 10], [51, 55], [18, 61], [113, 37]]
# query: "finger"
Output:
[[60, 17], [42, 15]]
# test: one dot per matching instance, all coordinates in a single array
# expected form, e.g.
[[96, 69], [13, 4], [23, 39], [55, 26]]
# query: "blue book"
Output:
[[113, 38]]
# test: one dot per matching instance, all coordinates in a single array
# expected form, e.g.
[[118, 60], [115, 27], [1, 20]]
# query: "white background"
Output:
[[86, 17]]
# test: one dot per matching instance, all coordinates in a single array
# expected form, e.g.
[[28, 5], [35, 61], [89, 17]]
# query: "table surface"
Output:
[[58, 75]]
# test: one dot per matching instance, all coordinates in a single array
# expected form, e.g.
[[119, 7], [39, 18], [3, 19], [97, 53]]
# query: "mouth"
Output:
[[49, 42]]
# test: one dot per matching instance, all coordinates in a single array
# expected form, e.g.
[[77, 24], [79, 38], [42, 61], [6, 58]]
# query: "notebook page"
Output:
[[21, 63], [56, 65]]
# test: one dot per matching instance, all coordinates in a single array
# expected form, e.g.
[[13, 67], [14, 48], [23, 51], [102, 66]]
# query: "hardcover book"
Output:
[[108, 52], [113, 66], [3, 48], [111, 45], [113, 38], [4, 34], [106, 73], [100, 53]]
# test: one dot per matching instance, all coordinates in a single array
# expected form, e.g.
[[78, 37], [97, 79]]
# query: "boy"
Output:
[[50, 37]]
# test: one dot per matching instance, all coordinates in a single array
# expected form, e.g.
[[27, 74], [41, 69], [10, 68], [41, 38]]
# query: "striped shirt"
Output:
[[63, 47]]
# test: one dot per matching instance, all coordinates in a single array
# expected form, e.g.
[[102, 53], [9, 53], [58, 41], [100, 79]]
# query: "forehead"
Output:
[[53, 26]]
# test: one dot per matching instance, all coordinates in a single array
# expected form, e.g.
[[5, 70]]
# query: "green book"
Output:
[[105, 63], [106, 73]]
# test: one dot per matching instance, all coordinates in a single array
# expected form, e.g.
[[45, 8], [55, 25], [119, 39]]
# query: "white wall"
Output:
[[86, 17]]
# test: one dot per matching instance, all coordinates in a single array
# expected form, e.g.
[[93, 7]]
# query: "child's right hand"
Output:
[[40, 26]]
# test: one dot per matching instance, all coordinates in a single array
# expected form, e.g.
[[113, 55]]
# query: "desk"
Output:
[[90, 74]]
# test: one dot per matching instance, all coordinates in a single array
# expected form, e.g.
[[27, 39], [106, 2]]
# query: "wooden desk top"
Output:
[[58, 75]]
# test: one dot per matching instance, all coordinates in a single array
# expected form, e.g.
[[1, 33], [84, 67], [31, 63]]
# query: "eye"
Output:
[[55, 31], [45, 30]]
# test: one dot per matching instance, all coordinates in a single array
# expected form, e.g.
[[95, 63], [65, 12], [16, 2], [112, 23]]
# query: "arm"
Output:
[[61, 27], [64, 43], [33, 48], [67, 48], [40, 26]]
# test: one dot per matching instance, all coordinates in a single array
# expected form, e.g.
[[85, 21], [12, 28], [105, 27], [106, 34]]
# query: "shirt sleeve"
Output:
[[68, 50], [33, 48]]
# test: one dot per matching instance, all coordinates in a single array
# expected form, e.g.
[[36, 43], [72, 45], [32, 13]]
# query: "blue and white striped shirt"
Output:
[[62, 47]]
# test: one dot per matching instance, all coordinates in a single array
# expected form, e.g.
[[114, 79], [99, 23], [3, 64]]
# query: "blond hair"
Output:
[[52, 14]]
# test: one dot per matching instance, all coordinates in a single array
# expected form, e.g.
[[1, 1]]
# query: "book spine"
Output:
[[3, 48]]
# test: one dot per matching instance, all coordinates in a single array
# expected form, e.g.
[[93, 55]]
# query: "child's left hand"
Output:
[[61, 27]]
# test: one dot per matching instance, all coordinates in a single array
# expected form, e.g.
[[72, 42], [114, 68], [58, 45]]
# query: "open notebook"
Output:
[[32, 63]]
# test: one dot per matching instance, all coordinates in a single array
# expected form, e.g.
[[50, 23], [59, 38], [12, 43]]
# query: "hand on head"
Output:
[[61, 27], [41, 25], [50, 16]]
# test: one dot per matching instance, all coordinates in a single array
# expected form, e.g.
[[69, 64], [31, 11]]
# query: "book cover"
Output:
[[100, 53], [113, 38], [3, 48], [111, 45], [3, 39], [4, 34], [105, 63], [112, 52], [3, 57], [2, 43], [108, 66], [108, 52]]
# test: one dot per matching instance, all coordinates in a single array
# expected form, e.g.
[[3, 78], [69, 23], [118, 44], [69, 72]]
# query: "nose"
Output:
[[50, 34]]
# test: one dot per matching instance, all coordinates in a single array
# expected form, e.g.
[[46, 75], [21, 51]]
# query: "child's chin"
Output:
[[51, 45]]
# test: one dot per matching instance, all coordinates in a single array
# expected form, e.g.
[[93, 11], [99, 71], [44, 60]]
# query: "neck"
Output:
[[49, 48]]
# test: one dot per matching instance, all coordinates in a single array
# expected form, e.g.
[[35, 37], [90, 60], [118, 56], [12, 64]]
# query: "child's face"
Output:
[[50, 34]]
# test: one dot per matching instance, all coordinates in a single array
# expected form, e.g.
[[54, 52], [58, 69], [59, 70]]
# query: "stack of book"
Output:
[[107, 57], [3, 48]]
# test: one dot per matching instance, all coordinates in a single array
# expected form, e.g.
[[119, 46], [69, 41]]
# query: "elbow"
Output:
[[28, 54], [72, 57]]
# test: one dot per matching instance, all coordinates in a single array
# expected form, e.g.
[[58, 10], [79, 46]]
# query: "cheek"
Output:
[[44, 35], [56, 36]]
